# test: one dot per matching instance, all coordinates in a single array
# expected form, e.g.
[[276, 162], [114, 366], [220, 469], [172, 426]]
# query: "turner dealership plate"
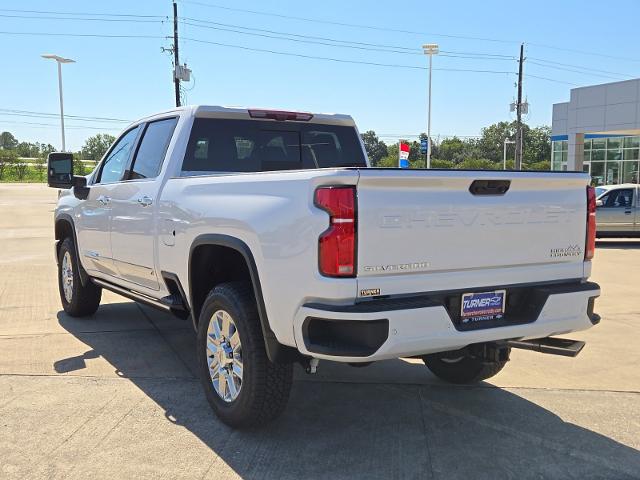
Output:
[[479, 306]]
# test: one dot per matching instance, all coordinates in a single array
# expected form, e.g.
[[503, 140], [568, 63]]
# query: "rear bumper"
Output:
[[426, 323]]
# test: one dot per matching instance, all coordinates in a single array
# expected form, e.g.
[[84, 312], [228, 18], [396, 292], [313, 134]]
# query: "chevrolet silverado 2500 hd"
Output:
[[269, 231]]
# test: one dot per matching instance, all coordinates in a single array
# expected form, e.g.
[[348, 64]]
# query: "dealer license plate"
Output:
[[480, 306]]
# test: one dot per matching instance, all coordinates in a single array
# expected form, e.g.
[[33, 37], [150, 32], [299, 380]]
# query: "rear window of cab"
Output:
[[223, 145]]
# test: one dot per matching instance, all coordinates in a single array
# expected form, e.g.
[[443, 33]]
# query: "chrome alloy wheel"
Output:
[[67, 277], [224, 356]]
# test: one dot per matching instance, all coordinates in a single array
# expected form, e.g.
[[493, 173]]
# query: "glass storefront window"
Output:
[[597, 154], [598, 143], [612, 171], [597, 173], [587, 155], [614, 154], [587, 144], [631, 153], [613, 143], [557, 146], [629, 172], [632, 142]]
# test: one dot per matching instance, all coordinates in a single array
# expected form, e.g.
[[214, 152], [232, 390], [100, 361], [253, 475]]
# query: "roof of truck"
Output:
[[243, 113]]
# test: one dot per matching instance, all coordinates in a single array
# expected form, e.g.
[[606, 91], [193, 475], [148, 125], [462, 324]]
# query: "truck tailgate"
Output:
[[415, 224]]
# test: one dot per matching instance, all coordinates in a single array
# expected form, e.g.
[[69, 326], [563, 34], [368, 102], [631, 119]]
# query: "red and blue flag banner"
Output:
[[403, 155]]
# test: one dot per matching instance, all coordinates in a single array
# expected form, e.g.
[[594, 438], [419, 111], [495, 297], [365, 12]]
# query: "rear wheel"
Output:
[[242, 385], [77, 300], [460, 366]]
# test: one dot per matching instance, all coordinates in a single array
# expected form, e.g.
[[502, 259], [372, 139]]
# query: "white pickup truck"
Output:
[[271, 233]]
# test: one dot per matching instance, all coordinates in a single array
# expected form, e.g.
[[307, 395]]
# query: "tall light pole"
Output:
[[430, 49], [60, 61]]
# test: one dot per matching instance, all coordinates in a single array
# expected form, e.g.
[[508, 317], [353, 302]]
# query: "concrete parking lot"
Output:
[[115, 395]]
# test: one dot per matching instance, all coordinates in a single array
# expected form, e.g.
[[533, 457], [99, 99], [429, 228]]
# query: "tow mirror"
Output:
[[60, 170], [599, 203]]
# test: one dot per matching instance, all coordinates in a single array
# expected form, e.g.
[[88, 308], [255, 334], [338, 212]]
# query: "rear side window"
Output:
[[153, 148], [218, 146]]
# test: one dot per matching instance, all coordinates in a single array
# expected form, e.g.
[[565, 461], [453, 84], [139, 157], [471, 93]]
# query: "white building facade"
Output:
[[598, 131]]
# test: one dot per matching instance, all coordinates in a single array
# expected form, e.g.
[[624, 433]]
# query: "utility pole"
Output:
[[176, 61], [518, 159]]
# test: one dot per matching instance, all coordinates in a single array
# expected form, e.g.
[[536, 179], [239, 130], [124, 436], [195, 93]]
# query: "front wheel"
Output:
[[242, 385], [77, 300], [462, 367]]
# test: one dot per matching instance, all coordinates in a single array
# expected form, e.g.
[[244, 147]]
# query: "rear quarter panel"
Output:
[[274, 215]]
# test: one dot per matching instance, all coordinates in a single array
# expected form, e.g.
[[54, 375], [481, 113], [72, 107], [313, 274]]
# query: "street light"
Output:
[[504, 151], [59, 61], [430, 49]]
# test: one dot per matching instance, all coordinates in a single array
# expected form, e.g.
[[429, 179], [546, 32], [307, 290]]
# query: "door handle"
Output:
[[103, 200], [145, 201]]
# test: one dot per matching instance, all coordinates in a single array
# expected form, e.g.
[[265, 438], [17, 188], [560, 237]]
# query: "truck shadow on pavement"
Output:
[[397, 422]]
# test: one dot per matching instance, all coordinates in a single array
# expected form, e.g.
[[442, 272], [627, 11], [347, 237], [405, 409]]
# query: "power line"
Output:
[[80, 127], [395, 47], [340, 60], [582, 52], [579, 67], [343, 24], [342, 43], [156, 37], [413, 32], [84, 19], [25, 113], [533, 62], [82, 13], [551, 79], [96, 35]]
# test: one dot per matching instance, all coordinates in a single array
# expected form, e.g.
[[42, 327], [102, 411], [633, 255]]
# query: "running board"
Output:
[[553, 346], [131, 295]]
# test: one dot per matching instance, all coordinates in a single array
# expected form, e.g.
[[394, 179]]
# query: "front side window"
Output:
[[115, 163], [622, 197], [153, 148]]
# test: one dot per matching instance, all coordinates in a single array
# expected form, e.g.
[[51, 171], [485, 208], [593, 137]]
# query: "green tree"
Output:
[[537, 144], [41, 166], [479, 164], [28, 149], [45, 149], [438, 163], [491, 142], [376, 148], [20, 167], [7, 140], [95, 147], [7, 160], [457, 150]]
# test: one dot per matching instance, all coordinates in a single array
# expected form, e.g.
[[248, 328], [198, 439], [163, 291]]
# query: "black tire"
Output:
[[265, 386], [462, 368], [84, 300]]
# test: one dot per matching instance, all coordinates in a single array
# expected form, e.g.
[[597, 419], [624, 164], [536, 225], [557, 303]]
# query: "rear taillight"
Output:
[[590, 243], [337, 244]]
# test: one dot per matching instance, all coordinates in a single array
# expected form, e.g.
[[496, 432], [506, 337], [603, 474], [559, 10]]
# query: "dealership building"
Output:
[[598, 131]]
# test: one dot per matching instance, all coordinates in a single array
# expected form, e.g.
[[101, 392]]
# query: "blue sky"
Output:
[[127, 78]]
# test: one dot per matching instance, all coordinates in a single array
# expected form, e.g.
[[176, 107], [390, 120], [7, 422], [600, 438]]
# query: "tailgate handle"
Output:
[[489, 187]]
